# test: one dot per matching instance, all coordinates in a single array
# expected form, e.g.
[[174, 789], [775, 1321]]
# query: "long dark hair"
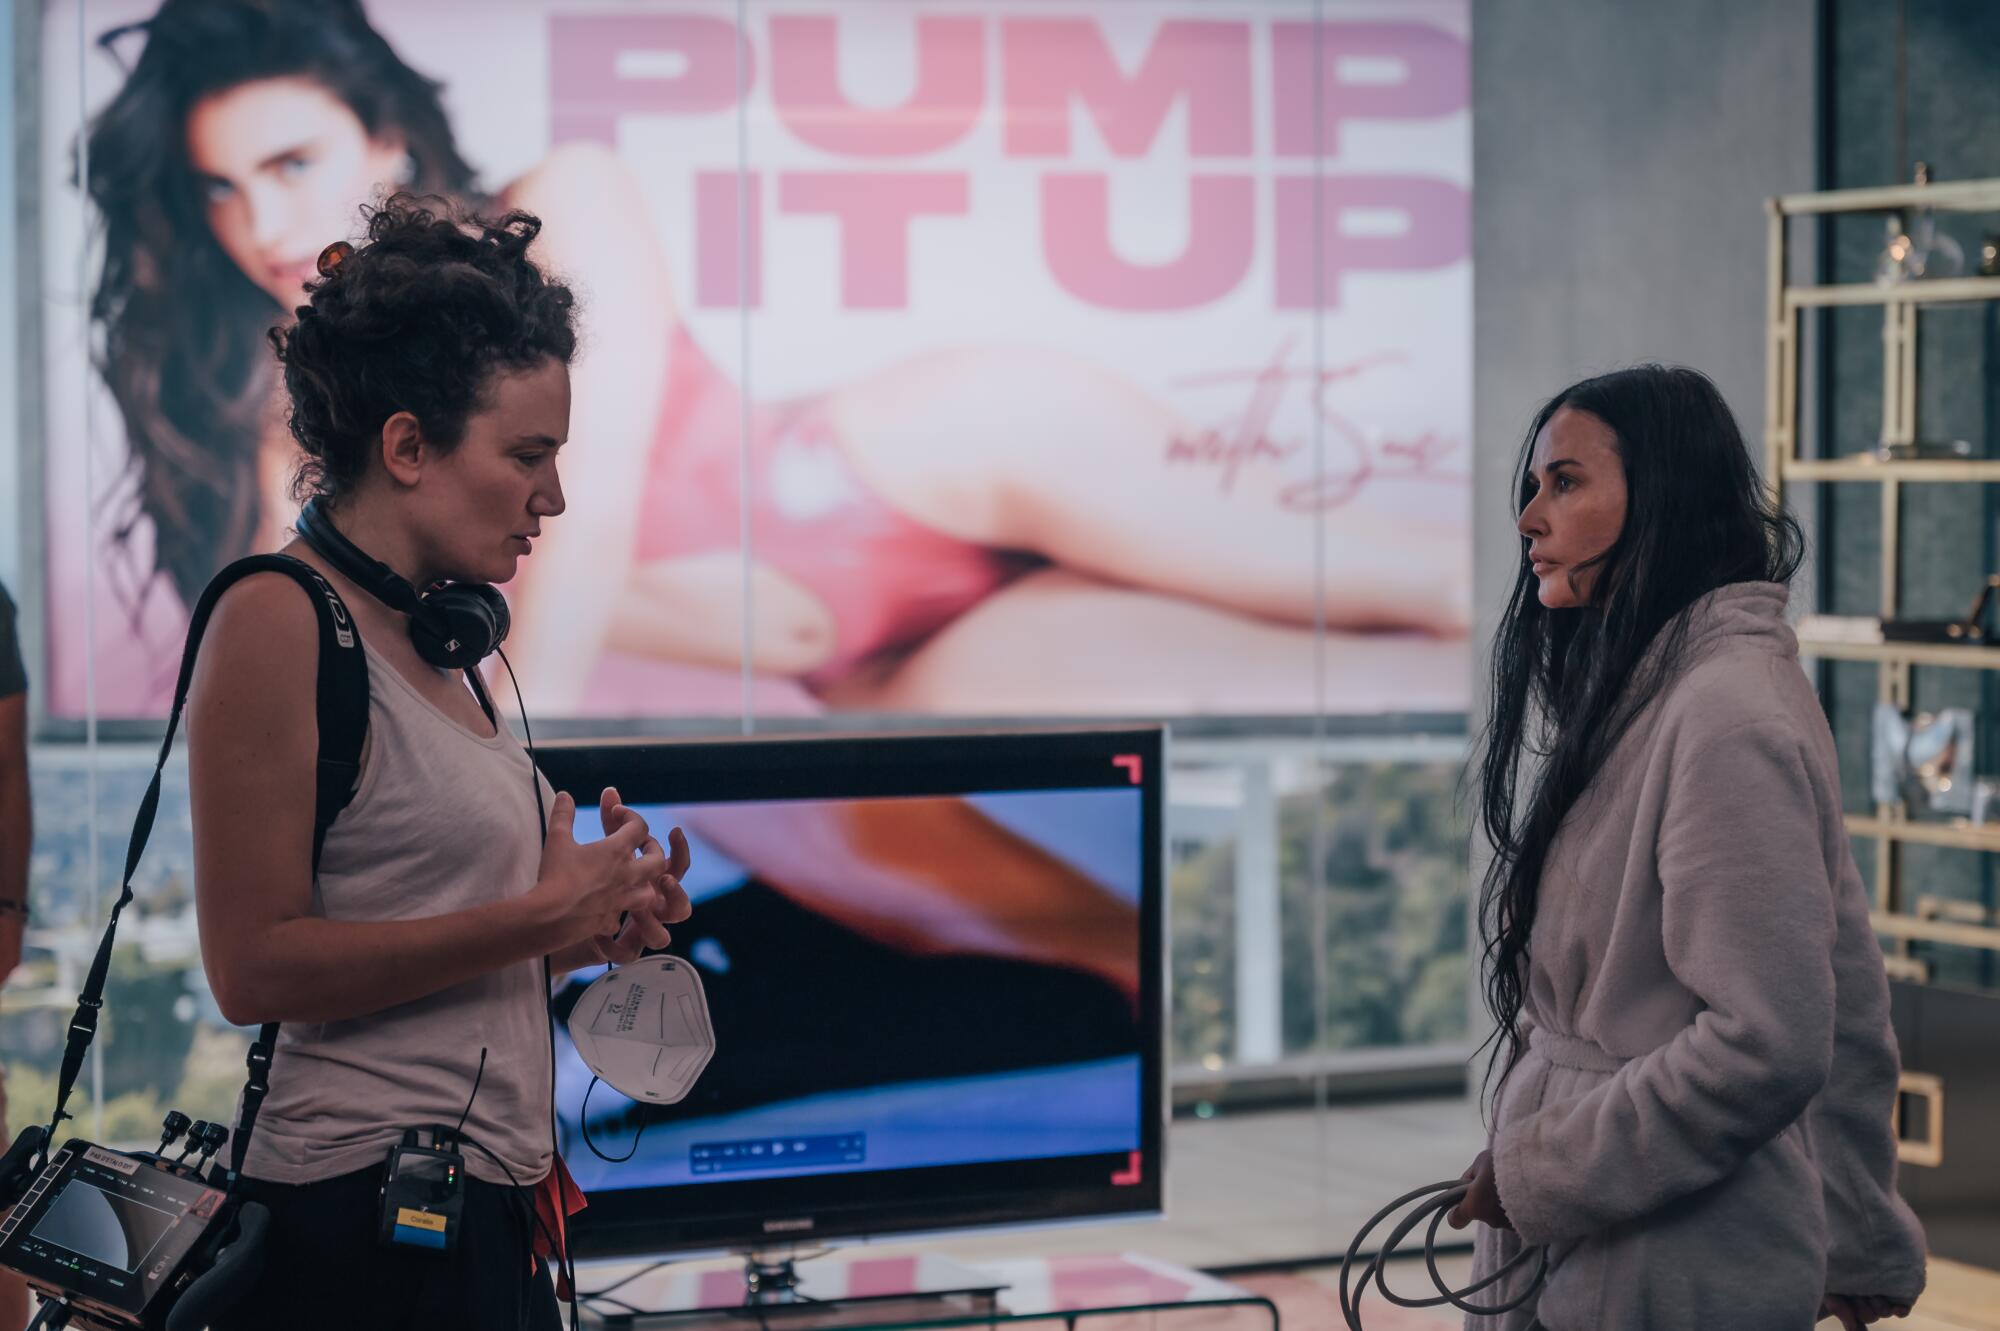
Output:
[[1568, 683], [182, 346]]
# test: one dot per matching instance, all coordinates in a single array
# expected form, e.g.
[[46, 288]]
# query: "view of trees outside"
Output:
[[1392, 863], [163, 1040], [1382, 842]]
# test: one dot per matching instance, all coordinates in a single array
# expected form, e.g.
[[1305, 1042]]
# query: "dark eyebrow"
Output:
[[282, 154], [536, 440]]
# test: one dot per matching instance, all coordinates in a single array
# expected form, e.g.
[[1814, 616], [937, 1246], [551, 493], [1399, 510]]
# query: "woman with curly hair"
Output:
[[910, 529], [428, 378]]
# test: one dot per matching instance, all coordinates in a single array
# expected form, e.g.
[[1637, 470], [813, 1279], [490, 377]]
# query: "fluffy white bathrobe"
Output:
[[1699, 1130]]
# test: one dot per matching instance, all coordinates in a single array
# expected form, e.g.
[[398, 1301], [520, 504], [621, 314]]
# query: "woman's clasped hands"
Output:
[[619, 893]]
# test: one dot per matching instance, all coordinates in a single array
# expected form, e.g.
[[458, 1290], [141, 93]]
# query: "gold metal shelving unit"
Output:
[[1889, 827]]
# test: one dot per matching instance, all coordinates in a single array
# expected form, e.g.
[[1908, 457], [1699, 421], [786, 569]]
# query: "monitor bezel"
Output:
[[766, 1212]]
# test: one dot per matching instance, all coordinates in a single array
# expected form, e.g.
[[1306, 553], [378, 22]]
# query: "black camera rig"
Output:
[[124, 1240]]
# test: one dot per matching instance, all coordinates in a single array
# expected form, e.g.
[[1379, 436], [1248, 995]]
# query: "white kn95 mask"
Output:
[[644, 1028]]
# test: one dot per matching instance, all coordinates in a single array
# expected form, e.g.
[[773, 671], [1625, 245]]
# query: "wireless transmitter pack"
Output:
[[423, 1194]]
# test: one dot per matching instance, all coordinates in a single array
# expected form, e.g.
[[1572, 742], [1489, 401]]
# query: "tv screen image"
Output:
[[933, 968]]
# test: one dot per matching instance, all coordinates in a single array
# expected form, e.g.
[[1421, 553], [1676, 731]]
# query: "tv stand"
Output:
[[818, 1280], [767, 1281], [900, 1292], [800, 1290]]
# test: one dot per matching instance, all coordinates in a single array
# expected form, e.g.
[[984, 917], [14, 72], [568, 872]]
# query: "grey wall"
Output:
[[1621, 157], [1622, 153], [1950, 533]]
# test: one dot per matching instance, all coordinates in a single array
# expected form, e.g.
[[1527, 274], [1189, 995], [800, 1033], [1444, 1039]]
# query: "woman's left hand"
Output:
[[1854, 1311], [1482, 1197], [646, 929]]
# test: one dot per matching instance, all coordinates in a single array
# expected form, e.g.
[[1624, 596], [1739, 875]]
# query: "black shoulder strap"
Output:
[[479, 692], [342, 709], [342, 712]]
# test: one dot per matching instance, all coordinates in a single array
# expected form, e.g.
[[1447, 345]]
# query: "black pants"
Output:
[[325, 1271]]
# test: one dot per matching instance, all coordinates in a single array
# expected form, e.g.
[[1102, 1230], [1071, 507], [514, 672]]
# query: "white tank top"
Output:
[[442, 820]]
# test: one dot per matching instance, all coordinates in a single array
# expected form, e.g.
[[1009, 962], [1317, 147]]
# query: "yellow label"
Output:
[[419, 1219]]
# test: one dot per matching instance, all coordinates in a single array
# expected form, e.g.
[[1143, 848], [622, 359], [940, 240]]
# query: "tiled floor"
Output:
[[1958, 1298], [1273, 1187]]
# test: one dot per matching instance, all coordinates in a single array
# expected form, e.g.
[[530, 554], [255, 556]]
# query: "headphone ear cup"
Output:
[[497, 613], [458, 626]]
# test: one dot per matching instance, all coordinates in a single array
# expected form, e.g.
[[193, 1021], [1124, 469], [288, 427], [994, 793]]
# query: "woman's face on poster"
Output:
[[283, 164]]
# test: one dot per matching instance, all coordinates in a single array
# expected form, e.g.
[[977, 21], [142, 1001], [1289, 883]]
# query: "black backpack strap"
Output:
[[342, 712]]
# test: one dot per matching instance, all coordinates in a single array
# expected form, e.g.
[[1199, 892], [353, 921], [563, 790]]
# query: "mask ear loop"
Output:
[[583, 1127]]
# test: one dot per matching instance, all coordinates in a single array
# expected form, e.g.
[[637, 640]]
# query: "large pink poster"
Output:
[[1007, 358]]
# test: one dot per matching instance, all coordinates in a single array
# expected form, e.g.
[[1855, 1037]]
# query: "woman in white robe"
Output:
[[1693, 1113]]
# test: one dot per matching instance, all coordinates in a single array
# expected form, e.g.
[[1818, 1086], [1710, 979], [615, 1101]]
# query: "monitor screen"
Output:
[[109, 1227], [932, 968]]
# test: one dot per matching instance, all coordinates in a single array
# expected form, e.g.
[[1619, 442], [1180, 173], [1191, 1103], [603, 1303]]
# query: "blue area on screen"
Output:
[[1084, 1109], [1013, 1106], [1097, 831]]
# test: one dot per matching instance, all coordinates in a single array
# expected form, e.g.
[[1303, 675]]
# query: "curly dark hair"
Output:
[[181, 328], [418, 319]]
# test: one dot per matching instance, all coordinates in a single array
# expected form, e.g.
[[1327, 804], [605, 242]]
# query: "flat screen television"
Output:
[[935, 969]]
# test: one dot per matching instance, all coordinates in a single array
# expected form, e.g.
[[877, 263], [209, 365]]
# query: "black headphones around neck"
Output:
[[455, 625]]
